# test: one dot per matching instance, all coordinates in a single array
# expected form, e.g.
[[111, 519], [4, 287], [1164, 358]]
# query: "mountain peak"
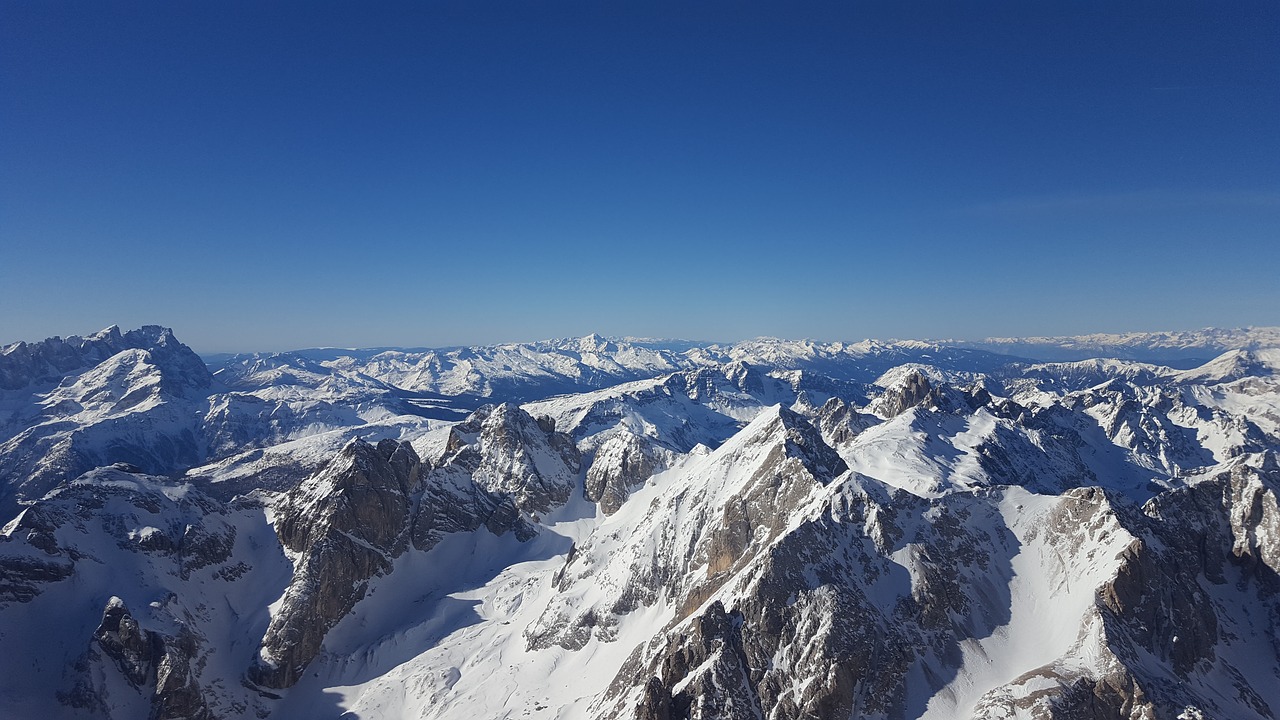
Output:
[[791, 436], [595, 343], [903, 392], [577, 547], [111, 332]]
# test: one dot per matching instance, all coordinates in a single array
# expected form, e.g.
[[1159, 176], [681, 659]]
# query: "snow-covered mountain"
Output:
[[598, 528], [532, 371], [1184, 349], [144, 398], [68, 406]]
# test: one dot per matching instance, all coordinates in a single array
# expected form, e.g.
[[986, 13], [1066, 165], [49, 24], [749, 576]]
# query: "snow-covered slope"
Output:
[[68, 406], [772, 529], [143, 398], [128, 594]]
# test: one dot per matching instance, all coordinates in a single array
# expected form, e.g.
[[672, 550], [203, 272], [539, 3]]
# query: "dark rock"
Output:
[[158, 667], [910, 392], [537, 468], [347, 522], [621, 463]]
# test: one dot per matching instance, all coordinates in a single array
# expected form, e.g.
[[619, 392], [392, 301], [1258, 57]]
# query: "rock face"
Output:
[[30, 556], [1185, 625], [1168, 600], [346, 523], [115, 532], [134, 651], [716, 690], [912, 390], [156, 667], [621, 463], [751, 486], [777, 532], [803, 612], [351, 520], [519, 457], [122, 510], [839, 423]]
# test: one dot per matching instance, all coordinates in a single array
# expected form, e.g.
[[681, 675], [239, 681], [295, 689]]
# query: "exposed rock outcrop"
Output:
[[347, 523], [155, 667], [370, 504], [516, 456], [839, 422], [622, 462], [751, 487], [909, 392]]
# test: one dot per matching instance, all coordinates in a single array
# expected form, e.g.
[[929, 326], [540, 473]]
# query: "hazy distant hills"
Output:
[[1183, 349]]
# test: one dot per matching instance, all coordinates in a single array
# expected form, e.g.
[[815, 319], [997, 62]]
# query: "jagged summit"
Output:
[[608, 528], [798, 439], [25, 364]]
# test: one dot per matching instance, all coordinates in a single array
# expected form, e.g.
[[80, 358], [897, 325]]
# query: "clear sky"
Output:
[[270, 175]]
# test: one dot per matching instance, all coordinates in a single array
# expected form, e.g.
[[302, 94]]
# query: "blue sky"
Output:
[[273, 175]]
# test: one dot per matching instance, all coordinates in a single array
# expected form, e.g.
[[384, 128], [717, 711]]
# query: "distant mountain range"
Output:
[[1081, 527]]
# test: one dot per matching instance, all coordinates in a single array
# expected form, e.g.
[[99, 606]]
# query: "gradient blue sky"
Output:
[[268, 175]]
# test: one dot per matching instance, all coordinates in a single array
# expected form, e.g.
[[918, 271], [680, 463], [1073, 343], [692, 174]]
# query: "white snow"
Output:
[[1054, 577]]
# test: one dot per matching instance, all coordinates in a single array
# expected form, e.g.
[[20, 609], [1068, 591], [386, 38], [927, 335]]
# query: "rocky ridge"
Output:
[[768, 531]]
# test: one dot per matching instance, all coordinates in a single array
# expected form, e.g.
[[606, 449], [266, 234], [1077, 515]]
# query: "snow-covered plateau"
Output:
[[1075, 528]]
